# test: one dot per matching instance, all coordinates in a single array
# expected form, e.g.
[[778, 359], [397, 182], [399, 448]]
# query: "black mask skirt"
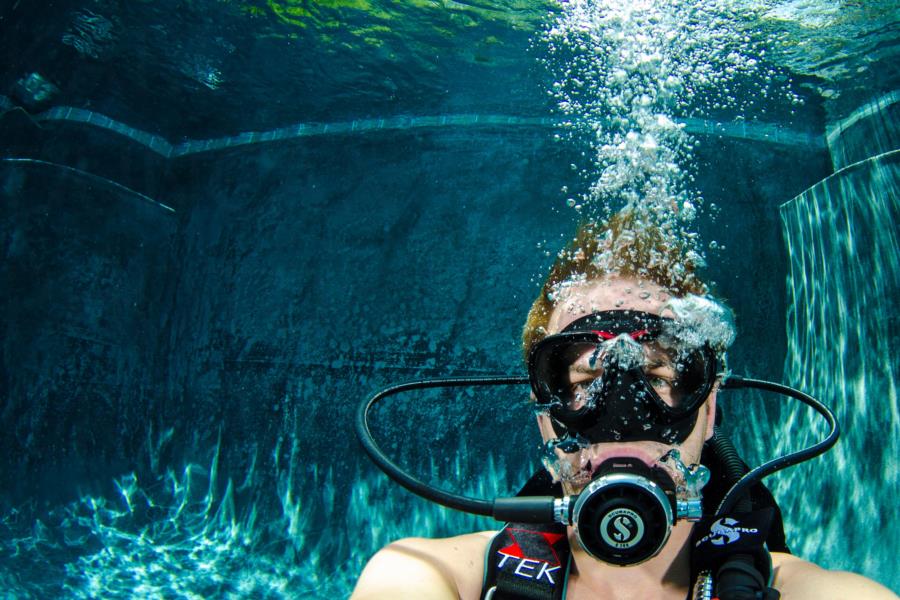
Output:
[[620, 375]]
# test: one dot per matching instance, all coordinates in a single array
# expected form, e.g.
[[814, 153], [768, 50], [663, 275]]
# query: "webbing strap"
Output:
[[527, 562]]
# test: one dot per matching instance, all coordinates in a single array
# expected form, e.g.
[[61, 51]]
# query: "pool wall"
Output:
[[843, 331], [224, 311]]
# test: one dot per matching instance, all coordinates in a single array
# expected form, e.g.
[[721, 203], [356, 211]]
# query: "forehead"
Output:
[[597, 295]]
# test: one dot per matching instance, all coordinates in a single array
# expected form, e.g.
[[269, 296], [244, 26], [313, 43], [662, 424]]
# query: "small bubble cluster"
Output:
[[622, 351], [563, 290], [699, 321]]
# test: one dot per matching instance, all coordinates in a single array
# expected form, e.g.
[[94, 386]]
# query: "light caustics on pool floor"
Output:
[[198, 534]]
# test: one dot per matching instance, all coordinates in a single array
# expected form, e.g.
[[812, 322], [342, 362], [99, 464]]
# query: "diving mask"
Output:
[[620, 375]]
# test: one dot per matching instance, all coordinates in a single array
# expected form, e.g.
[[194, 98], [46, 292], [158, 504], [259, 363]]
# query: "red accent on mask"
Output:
[[636, 335]]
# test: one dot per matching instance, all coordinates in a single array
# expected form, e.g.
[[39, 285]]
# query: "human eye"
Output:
[[662, 380], [580, 384]]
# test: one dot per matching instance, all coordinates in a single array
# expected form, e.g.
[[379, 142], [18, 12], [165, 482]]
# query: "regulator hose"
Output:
[[756, 474], [540, 509], [527, 509], [732, 465]]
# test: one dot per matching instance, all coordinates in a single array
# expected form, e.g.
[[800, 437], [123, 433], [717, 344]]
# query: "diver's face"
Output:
[[619, 294]]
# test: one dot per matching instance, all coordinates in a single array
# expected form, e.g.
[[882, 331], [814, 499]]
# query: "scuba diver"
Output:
[[641, 495]]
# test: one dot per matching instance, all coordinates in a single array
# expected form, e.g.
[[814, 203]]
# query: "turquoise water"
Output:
[[227, 223]]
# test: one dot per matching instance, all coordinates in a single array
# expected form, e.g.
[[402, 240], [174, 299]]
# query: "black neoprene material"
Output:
[[512, 587], [721, 481], [738, 579]]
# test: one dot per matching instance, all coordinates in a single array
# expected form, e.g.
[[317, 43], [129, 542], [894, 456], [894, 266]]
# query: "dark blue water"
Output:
[[192, 313]]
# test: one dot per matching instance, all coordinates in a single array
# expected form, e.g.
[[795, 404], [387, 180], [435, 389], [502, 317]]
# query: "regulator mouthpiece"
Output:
[[625, 515]]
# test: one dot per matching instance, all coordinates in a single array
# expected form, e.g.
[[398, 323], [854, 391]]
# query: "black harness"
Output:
[[527, 562], [531, 562]]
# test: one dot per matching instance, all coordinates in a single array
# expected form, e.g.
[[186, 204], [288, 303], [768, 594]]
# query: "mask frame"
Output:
[[622, 403]]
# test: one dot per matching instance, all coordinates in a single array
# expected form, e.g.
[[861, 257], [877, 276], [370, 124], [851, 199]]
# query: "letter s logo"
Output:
[[724, 532], [622, 531], [621, 528]]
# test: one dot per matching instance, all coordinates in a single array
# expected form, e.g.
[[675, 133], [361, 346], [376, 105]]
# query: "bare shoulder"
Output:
[[426, 568], [799, 579]]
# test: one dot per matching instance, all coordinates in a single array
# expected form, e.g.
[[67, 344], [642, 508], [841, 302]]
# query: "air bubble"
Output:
[[622, 71]]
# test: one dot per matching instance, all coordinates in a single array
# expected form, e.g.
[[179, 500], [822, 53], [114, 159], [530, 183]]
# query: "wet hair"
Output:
[[623, 246]]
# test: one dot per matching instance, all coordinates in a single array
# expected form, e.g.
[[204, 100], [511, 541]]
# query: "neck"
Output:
[[665, 575]]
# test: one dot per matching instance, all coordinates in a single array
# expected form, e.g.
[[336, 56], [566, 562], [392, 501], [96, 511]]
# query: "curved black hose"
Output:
[[777, 464], [416, 486], [539, 509]]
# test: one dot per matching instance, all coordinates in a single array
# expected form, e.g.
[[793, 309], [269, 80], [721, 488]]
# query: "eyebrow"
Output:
[[656, 364]]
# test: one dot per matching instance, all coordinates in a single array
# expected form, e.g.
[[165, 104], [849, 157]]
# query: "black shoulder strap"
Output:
[[527, 562], [733, 549], [760, 497]]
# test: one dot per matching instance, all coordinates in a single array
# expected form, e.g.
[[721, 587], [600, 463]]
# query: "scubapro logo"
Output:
[[621, 528], [622, 532], [726, 531]]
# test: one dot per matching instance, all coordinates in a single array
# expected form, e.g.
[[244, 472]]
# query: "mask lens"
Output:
[[584, 376], [567, 372], [676, 377]]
